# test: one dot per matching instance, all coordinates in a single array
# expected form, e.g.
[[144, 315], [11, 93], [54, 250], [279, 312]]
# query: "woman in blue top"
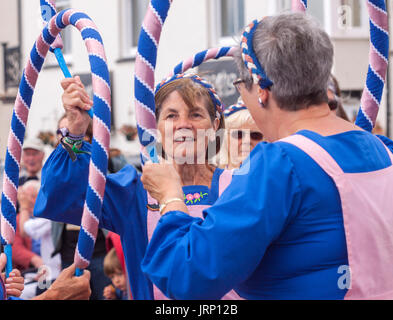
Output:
[[289, 226], [188, 118]]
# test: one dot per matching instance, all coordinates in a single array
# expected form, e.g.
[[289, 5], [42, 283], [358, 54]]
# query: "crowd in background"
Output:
[[43, 248]]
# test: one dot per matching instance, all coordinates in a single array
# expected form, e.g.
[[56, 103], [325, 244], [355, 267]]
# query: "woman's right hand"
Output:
[[76, 102]]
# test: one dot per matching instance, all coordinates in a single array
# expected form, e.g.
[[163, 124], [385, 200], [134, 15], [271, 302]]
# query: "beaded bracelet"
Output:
[[74, 150], [65, 133]]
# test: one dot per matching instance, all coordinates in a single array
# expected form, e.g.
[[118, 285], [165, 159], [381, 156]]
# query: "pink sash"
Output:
[[367, 205], [195, 211]]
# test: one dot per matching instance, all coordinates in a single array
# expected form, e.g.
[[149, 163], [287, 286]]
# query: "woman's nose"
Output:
[[183, 122]]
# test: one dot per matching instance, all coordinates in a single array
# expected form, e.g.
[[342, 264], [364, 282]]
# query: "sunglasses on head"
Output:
[[254, 135]]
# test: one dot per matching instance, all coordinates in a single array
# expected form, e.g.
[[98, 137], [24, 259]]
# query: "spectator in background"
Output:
[[65, 239], [32, 160], [115, 271], [335, 96], [113, 241], [116, 160], [242, 136], [26, 251], [25, 257], [39, 230]]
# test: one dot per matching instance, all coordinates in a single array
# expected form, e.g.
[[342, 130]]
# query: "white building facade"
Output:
[[192, 26]]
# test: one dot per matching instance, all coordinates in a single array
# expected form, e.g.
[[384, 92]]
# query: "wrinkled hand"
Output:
[[75, 102], [162, 181], [68, 287], [109, 293], [14, 284]]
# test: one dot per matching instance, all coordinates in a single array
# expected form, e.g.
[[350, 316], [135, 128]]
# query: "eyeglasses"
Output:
[[237, 84], [254, 135]]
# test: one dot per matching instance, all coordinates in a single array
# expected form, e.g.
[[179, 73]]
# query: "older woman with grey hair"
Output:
[[307, 212]]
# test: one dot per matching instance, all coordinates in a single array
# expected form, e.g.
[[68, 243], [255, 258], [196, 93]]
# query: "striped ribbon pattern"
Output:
[[197, 79], [250, 60], [101, 130], [378, 61], [378, 65], [239, 106], [203, 56], [145, 64], [299, 5], [48, 10]]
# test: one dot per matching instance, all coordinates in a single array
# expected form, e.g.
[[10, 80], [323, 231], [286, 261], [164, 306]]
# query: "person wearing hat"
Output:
[[32, 160]]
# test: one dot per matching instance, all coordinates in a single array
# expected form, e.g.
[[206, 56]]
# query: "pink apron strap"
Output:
[[225, 181], [368, 222], [390, 154], [316, 152]]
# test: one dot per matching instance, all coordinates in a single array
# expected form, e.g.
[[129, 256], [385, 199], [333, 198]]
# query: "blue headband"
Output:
[[250, 59], [212, 92], [234, 108]]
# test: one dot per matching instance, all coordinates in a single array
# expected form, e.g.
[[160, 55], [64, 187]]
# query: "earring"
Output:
[[261, 103]]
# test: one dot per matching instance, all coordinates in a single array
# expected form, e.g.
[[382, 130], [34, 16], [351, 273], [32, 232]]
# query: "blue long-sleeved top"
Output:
[[275, 233], [124, 211]]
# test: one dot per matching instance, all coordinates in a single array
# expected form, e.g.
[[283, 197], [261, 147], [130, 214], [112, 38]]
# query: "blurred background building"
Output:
[[192, 26]]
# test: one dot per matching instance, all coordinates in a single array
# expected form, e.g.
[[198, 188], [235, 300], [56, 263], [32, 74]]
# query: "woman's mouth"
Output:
[[184, 139]]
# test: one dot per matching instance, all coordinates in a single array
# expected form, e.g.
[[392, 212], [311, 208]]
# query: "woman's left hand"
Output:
[[162, 181]]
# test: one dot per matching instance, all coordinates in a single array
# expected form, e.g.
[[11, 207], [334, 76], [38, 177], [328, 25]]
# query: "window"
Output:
[[66, 33], [340, 18], [232, 17], [349, 19], [351, 13], [228, 20], [66, 36], [314, 7], [134, 13], [283, 5]]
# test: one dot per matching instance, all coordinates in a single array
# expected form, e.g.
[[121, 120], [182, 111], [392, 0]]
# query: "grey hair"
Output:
[[297, 56]]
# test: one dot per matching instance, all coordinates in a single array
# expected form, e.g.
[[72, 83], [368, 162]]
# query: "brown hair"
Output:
[[111, 263], [337, 91], [191, 92]]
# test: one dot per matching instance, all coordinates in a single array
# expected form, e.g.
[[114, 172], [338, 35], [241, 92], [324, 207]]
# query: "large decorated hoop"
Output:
[[378, 65], [48, 11], [299, 5], [378, 61], [101, 132], [145, 65], [201, 57]]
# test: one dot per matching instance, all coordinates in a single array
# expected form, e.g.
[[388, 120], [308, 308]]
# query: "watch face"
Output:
[[153, 207]]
